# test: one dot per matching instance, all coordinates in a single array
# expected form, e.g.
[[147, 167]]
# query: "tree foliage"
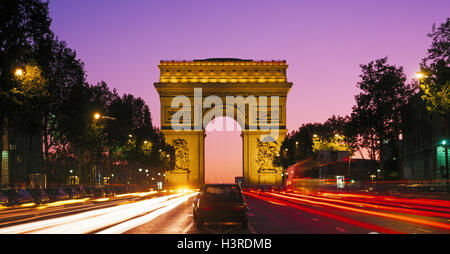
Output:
[[53, 100], [435, 69], [299, 145]]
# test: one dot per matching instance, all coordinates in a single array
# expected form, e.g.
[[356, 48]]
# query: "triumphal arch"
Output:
[[254, 93]]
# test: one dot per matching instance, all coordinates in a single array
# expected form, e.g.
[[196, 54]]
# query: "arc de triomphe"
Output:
[[254, 93]]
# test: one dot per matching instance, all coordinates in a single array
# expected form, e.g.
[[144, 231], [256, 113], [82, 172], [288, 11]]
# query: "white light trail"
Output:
[[123, 227], [92, 220]]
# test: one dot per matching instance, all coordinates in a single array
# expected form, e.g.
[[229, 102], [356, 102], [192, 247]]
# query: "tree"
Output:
[[435, 72], [65, 74], [335, 143], [299, 145], [375, 117], [49, 99], [24, 26], [435, 80]]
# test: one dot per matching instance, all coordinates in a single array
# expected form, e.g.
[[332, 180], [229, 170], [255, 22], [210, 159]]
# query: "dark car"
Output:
[[57, 194], [22, 196], [4, 198], [88, 191], [220, 203], [99, 192], [39, 195]]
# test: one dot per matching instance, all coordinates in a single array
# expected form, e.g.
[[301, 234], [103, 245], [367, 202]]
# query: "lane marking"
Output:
[[276, 203]]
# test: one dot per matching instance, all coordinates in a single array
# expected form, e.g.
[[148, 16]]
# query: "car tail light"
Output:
[[206, 208], [238, 208]]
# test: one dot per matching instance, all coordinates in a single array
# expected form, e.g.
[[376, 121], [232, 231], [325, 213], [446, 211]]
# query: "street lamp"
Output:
[[98, 116], [19, 72], [419, 75], [5, 180]]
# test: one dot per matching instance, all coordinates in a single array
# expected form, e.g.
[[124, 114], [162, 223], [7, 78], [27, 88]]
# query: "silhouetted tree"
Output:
[[376, 116]]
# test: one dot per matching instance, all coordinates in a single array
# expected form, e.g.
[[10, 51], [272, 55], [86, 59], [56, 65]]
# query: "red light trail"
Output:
[[434, 208]]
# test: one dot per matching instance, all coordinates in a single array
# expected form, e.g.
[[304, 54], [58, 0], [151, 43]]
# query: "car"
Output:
[[220, 203], [87, 191], [109, 191], [4, 198], [74, 192], [39, 195], [99, 192], [22, 196], [57, 194]]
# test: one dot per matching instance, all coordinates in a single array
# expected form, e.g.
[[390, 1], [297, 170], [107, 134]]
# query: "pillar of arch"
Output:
[[252, 92]]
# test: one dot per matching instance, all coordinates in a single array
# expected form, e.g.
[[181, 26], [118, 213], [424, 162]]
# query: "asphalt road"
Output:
[[270, 213]]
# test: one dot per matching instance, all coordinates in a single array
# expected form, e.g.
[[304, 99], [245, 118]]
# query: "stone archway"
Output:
[[252, 92]]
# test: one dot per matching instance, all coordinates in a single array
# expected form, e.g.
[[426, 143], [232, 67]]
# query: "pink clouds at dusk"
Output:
[[323, 42]]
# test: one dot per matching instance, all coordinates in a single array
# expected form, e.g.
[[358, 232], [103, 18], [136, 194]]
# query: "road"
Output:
[[275, 215], [270, 213]]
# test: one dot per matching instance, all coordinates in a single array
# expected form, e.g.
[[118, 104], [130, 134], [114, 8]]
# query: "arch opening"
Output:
[[223, 150]]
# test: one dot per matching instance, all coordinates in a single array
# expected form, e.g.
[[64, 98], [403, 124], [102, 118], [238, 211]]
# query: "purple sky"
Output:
[[323, 42]]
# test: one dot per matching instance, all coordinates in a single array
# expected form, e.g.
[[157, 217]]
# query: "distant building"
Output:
[[21, 156], [423, 154]]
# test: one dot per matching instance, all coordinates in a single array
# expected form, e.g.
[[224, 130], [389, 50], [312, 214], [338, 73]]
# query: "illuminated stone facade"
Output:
[[222, 78]]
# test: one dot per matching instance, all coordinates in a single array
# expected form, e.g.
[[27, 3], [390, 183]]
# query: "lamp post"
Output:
[[98, 116], [445, 144]]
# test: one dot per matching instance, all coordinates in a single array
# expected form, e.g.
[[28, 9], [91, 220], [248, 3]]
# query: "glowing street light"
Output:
[[19, 72], [419, 75], [100, 116]]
